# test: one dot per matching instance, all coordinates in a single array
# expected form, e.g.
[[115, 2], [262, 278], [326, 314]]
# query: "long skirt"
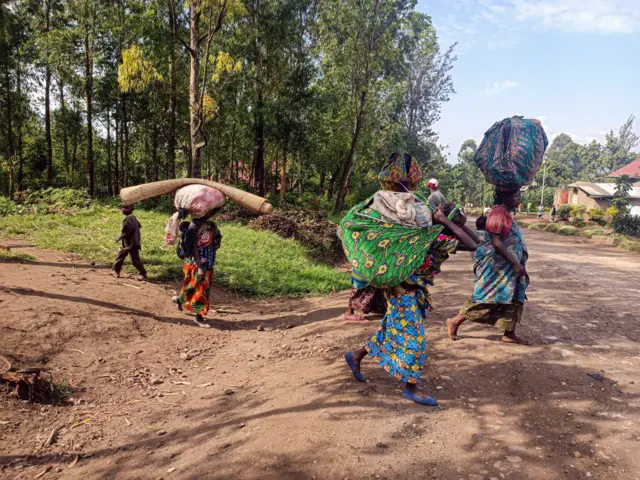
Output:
[[196, 290], [399, 344], [368, 300], [503, 315]]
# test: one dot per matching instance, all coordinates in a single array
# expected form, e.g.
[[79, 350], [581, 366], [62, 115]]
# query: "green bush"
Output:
[[627, 225], [7, 207], [552, 227], [563, 212], [611, 212], [596, 214], [59, 198], [568, 230]]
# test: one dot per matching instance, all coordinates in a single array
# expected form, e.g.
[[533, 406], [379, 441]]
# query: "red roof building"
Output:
[[633, 170]]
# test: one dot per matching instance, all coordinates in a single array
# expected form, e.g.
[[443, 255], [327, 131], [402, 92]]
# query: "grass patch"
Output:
[[568, 230], [7, 256], [630, 244], [552, 227], [254, 262]]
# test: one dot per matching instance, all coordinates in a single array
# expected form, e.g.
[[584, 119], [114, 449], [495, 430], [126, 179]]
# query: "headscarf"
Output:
[[401, 167]]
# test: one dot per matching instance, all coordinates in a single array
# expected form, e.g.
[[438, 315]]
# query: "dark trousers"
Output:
[[135, 260]]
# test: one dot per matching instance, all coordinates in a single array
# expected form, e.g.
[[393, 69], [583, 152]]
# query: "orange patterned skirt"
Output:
[[196, 290]]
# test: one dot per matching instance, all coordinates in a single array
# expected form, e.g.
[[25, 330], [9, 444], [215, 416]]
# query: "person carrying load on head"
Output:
[[198, 246], [390, 240], [509, 157]]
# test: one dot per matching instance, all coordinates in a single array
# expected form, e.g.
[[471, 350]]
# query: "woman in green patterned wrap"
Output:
[[392, 252]]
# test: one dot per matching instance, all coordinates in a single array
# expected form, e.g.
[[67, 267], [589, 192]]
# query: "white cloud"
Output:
[[497, 87], [499, 23], [603, 16]]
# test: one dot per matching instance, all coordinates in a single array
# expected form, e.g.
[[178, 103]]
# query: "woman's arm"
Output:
[[498, 244], [442, 219], [471, 234]]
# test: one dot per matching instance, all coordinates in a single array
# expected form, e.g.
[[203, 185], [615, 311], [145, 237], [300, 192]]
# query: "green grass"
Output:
[[630, 244], [568, 230], [14, 256], [253, 262]]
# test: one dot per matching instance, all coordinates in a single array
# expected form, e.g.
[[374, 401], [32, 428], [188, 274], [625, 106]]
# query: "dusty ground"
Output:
[[266, 395]]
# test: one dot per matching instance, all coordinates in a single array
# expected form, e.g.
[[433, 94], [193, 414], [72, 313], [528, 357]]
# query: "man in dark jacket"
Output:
[[131, 244]]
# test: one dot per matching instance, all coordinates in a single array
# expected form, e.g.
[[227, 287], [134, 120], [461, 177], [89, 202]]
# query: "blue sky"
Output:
[[574, 64]]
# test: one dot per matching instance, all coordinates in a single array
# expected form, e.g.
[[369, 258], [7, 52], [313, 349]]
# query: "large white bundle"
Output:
[[195, 200]]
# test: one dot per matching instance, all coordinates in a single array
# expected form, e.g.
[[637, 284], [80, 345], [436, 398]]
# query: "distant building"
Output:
[[595, 195], [632, 171], [600, 195]]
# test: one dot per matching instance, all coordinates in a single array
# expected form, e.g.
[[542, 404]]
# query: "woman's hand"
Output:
[[519, 270]]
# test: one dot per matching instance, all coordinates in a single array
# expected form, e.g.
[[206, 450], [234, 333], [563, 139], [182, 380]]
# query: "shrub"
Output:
[[59, 198], [611, 212], [7, 207], [563, 212], [568, 230], [552, 227], [627, 224], [596, 214]]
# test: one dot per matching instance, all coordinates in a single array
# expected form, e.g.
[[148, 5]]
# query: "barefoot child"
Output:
[[131, 244]]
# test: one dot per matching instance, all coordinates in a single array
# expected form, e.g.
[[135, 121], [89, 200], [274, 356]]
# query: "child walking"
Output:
[[131, 244]]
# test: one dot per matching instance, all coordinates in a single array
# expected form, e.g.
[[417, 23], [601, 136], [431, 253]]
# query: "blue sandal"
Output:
[[429, 401], [352, 365]]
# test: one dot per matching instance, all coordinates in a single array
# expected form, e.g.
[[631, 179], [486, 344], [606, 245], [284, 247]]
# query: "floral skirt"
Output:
[[196, 290], [399, 344]]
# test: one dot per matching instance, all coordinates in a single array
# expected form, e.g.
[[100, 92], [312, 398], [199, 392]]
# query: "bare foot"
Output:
[[354, 317], [510, 337], [452, 328], [141, 278], [115, 274]]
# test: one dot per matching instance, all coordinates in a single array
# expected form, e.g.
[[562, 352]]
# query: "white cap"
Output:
[[433, 182]]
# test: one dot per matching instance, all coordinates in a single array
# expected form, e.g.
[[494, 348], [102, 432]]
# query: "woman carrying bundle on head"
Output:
[[198, 246], [390, 240], [509, 157], [500, 269]]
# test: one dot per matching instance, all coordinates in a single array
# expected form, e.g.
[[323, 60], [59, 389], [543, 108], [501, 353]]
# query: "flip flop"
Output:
[[348, 356], [429, 401], [354, 318]]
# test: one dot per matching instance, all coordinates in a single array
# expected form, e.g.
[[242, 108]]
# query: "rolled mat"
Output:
[[254, 203]]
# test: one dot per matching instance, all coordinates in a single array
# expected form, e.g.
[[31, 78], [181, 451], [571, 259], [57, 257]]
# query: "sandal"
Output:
[[352, 365], [428, 400], [355, 317]]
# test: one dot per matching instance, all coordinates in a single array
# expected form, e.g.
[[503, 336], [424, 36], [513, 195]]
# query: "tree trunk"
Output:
[[258, 160], [88, 97], [47, 98], [124, 157], [117, 150], [323, 177], [109, 182], [8, 120], [19, 120], [348, 168], [154, 153], [332, 182], [173, 102], [194, 88], [65, 136], [283, 171]]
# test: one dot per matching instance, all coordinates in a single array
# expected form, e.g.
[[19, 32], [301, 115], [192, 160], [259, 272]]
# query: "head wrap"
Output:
[[400, 168]]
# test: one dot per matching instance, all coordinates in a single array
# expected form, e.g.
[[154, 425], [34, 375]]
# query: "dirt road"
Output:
[[266, 395]]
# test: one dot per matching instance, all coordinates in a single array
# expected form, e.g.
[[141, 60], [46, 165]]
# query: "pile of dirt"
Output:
[[235, 214], [310, 228]]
